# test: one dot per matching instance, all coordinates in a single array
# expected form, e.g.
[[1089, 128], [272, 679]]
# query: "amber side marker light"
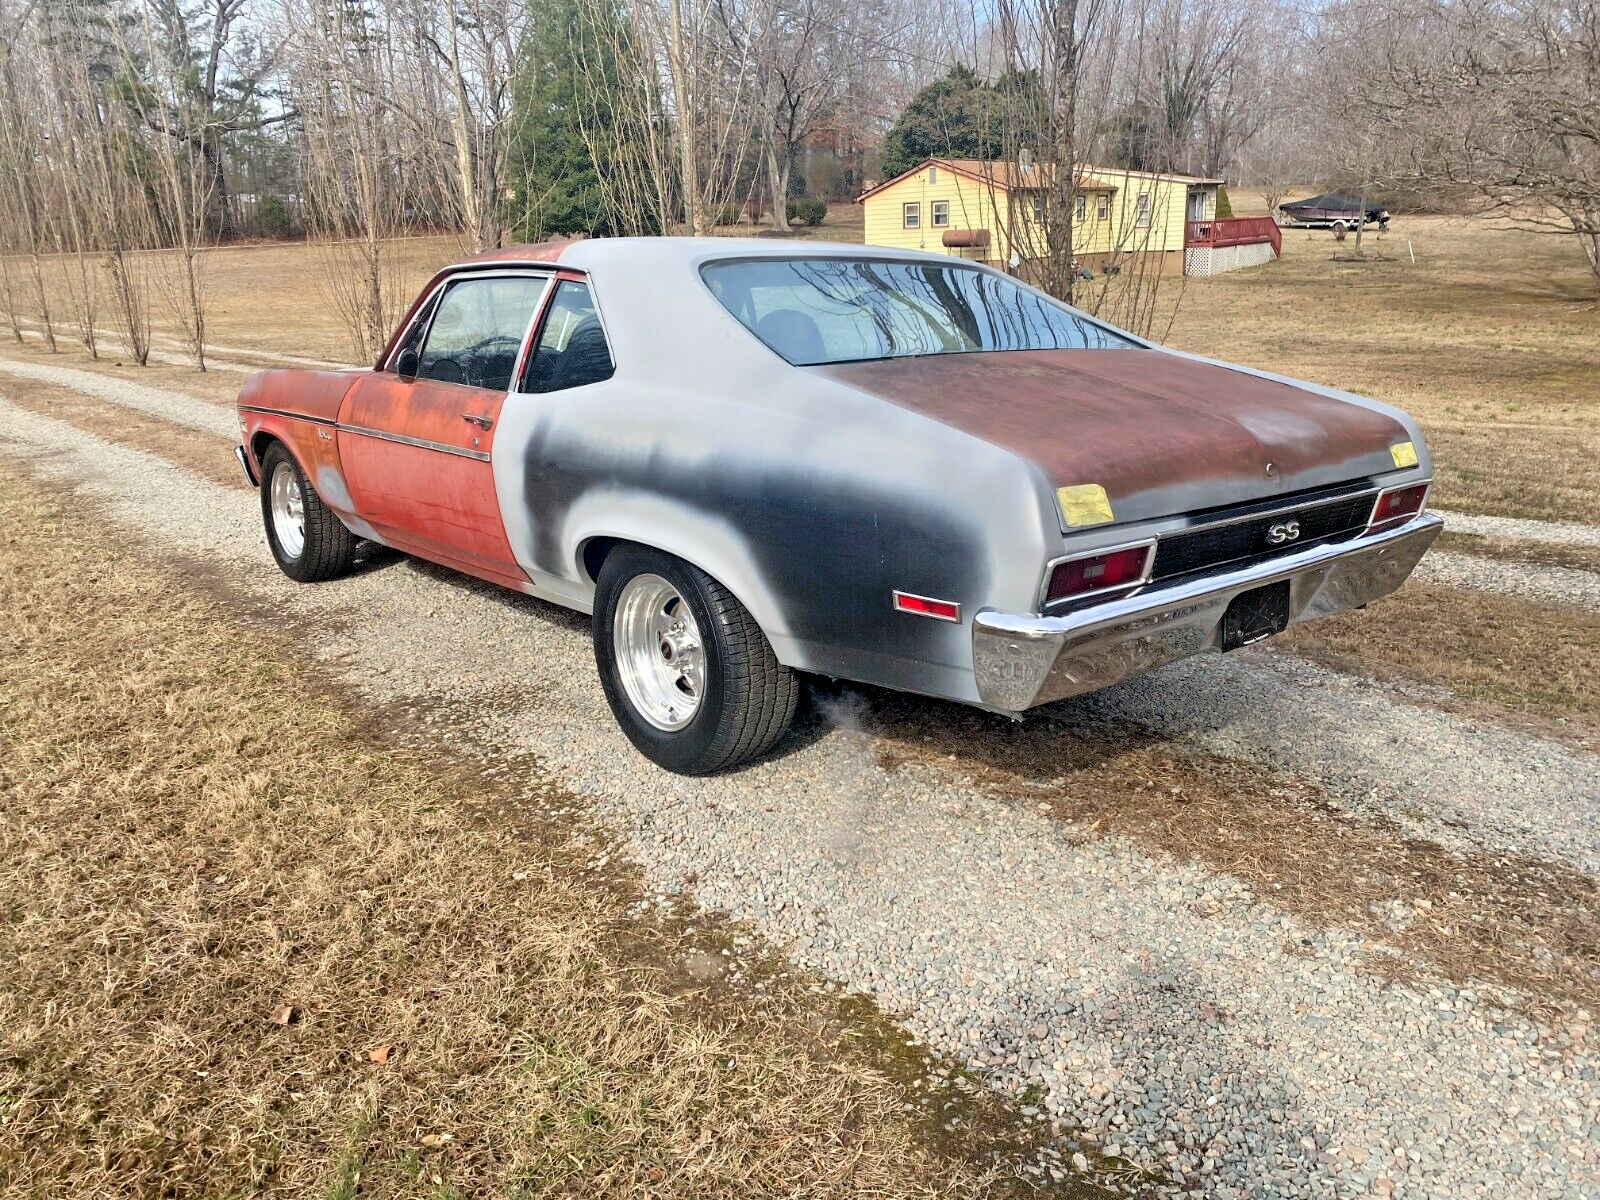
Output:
[[1396, 506], [924, 606], [1097, 573]]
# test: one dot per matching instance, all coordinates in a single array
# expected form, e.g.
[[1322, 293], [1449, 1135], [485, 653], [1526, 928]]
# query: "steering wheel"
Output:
[[491, 345]]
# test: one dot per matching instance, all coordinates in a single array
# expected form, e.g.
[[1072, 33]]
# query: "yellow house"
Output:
[[995, 212]]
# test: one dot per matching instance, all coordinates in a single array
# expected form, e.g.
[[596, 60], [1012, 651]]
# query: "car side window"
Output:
[[572, 349], [478, 330], [419, 326]]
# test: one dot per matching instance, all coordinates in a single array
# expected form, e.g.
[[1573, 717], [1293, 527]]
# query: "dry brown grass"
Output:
[[1491, 339], [250, 946], [1527, 924], [207, 457], [1509, 659], [1512, 550]]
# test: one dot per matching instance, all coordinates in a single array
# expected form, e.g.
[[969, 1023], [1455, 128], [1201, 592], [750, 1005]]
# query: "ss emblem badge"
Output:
[[1285, 531]]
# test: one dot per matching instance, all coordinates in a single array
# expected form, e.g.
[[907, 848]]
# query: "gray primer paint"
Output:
[[808, 499]]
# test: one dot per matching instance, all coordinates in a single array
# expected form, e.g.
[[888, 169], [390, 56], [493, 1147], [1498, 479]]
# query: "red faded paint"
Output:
[[304, 405], [421, 499], [434, 503], [1140, 422]]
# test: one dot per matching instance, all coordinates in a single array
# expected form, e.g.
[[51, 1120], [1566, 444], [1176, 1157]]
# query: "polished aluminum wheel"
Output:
[[660, 659], [288, 510]]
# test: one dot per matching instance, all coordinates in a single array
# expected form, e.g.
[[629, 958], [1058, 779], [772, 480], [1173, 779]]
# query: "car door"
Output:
[[417, 438]]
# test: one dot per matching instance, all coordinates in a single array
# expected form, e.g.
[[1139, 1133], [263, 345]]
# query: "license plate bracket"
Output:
[[1256, 614]]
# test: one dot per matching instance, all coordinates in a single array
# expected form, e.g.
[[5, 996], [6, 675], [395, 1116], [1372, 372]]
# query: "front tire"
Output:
[[688, 673], [308, 542]]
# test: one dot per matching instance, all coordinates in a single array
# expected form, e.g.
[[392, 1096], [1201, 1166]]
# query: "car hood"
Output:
[[1162, 433]]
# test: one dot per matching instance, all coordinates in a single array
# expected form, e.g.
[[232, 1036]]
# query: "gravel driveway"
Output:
[[1239, 1052]]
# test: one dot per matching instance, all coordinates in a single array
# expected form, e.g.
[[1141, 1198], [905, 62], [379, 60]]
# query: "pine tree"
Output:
[[958, 116], [565, 104]]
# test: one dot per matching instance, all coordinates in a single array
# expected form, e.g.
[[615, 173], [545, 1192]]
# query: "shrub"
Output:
[[808, 210], [272, 217], [1224, 205], [726, 214]]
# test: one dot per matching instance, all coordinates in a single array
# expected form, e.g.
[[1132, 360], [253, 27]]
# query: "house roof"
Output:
[[1008, 176]]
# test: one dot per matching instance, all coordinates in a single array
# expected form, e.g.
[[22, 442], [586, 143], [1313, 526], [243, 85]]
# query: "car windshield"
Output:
[[832, 310]]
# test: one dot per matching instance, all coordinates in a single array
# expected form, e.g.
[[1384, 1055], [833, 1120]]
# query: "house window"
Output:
[[1078, 206], [1038, 208], [1102, 207], [933, 174], [1141, 212], [940, 214], [911, 215]]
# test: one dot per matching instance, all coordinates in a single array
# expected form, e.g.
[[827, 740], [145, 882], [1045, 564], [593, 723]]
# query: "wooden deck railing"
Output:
[[1233, 231]]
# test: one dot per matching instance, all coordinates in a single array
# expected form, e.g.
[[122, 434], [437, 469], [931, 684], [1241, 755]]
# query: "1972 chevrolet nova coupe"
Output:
[[750, 459]]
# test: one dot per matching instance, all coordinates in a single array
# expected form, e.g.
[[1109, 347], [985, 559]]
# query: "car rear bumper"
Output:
[[1020, 661]]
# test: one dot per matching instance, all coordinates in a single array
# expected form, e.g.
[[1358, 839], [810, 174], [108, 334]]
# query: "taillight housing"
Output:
[[1102, 571], [1396, 506]]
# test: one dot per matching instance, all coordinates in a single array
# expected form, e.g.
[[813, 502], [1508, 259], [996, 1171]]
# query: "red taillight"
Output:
[[1397, 506], [1080, 576], [923, 606]]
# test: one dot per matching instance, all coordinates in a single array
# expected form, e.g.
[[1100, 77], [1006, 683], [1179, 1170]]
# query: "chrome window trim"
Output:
[[466, 275], [1149, 545], [540, 316]]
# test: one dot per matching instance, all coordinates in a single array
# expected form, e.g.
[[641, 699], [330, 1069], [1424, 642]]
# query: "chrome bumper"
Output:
[[244, 461], [1021, 661]]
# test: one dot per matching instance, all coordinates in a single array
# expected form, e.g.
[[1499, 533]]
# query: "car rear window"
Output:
[[830, 310]]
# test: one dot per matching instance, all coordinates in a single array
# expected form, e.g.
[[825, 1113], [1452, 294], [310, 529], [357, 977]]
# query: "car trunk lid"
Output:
[[1163, 434]]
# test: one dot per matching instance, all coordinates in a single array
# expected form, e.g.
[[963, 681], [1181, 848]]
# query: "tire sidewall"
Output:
[[295, 568], [678, 750]]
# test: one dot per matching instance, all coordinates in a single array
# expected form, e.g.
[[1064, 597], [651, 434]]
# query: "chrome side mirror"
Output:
[[407, 364]]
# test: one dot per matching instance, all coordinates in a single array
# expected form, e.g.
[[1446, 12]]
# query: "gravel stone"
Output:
[[1556, 533], [1528, 581]]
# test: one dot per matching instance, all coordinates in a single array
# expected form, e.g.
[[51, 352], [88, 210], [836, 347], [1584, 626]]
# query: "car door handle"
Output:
[[480, 422]]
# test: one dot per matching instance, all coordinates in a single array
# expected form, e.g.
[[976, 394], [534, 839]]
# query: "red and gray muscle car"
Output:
[[751, 461]]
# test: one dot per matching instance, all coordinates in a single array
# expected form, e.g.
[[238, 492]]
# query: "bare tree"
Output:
[[23, 163], [1497, 100], [345, 74], [692, 53]]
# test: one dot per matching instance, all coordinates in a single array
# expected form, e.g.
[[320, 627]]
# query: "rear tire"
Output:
[[308, 542], [688, 673]]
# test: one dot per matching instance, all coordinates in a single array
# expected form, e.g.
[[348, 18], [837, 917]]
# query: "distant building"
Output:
[[994, 212]]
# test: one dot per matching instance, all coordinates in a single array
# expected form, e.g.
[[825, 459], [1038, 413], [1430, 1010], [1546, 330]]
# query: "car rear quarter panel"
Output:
[[809, 501]]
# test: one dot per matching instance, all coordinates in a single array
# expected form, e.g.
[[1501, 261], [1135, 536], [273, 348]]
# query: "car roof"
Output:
[[585, 254]]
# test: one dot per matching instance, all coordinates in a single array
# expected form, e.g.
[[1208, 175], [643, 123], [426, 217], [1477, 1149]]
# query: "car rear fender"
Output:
[[703, 540]]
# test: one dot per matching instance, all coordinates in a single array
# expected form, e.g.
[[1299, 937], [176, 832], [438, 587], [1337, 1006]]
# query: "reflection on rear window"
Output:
[[829, 310]]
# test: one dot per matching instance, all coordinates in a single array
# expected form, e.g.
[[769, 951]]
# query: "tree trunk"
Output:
[[683, 101], [778, 166], [466, 167], [1064, 190]]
